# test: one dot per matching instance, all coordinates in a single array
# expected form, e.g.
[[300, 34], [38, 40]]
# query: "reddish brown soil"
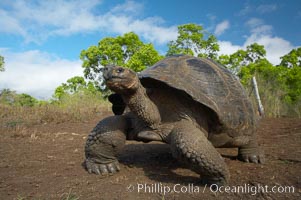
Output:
[[45, 162]]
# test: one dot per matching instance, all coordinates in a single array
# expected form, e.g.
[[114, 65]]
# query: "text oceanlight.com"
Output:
[[191, 188]]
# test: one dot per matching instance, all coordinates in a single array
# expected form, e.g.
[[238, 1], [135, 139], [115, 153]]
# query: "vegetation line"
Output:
[[279, 86]]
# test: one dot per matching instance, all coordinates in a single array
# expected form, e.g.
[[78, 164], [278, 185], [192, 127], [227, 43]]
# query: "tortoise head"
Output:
[[120, 80]]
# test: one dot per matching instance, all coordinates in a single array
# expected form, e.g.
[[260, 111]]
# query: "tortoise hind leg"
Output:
[[248, 149], [189, 144], [251, 152]]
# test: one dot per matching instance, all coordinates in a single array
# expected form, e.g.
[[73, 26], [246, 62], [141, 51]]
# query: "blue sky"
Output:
[[41, 40]]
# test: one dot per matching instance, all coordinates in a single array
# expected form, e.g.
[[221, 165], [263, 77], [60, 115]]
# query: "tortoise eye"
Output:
[[120, 70]]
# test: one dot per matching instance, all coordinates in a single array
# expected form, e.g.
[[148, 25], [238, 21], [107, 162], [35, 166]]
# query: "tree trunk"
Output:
[[260, 106]]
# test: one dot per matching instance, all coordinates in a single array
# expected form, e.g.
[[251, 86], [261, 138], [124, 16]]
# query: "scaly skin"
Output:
[[143, 107], [104, 143], [189, 145]]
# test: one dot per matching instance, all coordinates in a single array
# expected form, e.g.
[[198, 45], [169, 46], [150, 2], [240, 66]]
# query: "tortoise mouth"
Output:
[[114, 78], [117, 82]]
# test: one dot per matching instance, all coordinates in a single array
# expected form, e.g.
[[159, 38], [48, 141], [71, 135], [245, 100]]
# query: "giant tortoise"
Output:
[[192, 104]]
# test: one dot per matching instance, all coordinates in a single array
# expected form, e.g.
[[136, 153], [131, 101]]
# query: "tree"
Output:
[[26, 100], [127, 50], [292, 59], [292, 63], [262, 68], [254, 53], [194, 40], [2, 63], [10, 97], [74, 85], [144, 57], [293, 82], [280, 86]]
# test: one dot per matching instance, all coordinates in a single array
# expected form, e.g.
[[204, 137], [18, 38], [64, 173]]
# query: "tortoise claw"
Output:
[[252, 158], [102, 169], [111, 168]]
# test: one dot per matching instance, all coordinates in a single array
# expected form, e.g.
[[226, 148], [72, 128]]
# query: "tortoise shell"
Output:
[[208, 83]]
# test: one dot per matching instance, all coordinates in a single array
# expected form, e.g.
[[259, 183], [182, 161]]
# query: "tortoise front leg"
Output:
[[104, 143], [189, 144]]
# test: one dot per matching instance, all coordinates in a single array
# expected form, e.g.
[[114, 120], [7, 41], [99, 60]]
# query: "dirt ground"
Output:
[[45, 162]]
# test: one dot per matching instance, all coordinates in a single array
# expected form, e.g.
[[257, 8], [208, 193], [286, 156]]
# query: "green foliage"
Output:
[[144, 57], [271, 92], [292, 79], [127, 50], [280, 86], [9, 97], [224, 60], [194, 40], [27, 100], [254, 53], [2, 63], [75, 85], [262, 67], [292, 59]]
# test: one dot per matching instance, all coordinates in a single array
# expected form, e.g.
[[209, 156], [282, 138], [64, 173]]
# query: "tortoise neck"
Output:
[[141, 105]]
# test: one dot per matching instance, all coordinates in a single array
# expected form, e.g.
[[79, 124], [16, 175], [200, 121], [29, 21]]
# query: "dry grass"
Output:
[[273, 101], [16, 119]]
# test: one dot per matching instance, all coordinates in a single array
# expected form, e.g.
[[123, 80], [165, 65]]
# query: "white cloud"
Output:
[[221, 27], [266, 8], [260, 33], [274, 46], [39, 73], [147, 28], [36, 73], [246, 10], [211, 17], [128, 7], [227, 47], [263, 29], [261, 9], [257, 26], [36, 21], [9, 24], [254, 22]]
